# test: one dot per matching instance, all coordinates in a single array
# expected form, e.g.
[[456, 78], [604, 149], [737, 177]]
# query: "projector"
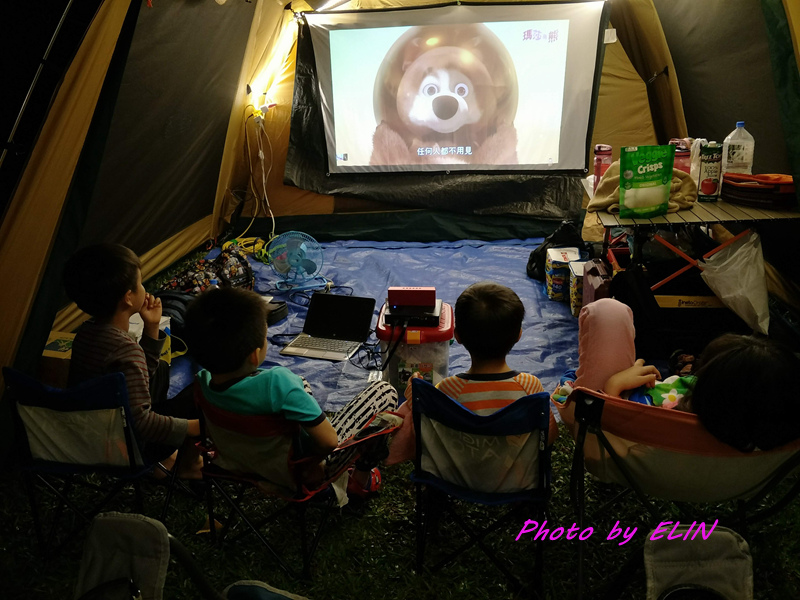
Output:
[[412, 306]]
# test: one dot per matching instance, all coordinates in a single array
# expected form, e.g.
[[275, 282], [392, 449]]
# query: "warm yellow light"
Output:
[[264, 80], [432, 41], [467, 57]]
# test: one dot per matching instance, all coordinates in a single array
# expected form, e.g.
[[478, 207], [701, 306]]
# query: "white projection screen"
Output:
[[459, 88]]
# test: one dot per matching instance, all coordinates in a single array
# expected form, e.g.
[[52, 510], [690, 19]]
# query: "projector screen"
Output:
[[465, 87]]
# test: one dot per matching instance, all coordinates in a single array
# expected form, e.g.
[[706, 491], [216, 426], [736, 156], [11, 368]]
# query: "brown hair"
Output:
[[224, 326], [97, 277], [488, 319], [741, 394]]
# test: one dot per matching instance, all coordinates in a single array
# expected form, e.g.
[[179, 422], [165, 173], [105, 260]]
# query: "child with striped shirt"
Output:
[[105, 281], [488, 324]]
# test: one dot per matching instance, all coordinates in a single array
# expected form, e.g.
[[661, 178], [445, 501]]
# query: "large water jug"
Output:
[[737, 151]]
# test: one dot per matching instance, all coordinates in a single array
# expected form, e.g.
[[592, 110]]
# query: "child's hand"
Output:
[[631, 378], [151, 315]]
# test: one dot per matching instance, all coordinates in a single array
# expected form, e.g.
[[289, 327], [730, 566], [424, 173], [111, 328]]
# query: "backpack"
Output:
[[567, 234], [231, 269]]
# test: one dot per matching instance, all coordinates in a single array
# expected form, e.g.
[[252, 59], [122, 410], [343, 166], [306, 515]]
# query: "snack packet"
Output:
[[645, 179]]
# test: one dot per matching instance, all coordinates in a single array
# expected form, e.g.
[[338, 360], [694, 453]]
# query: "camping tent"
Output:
[[127, 123]]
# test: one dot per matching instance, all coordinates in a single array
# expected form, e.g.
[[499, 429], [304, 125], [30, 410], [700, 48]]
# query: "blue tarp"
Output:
[[549, 342]]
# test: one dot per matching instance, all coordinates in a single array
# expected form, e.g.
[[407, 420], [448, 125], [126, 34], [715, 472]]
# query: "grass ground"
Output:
[[369, 554]]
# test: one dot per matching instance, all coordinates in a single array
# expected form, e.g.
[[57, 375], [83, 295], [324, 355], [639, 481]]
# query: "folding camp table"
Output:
[[702, 213]]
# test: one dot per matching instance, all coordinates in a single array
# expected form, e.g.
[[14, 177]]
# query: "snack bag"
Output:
[[645, 180]]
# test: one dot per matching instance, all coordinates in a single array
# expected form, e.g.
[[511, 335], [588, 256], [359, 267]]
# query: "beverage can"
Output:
[[709, 179]]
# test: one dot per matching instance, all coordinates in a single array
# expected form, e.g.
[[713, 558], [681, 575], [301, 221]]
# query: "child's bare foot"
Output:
[[191, 470]]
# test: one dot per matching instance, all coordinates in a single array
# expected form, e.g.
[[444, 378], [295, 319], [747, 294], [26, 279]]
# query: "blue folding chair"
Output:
[[500, 459], [63, 437]]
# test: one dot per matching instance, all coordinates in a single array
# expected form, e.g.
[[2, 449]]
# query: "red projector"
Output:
[[411, 296]]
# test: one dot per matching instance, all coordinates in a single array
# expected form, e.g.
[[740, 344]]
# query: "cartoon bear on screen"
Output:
[[445, 94]]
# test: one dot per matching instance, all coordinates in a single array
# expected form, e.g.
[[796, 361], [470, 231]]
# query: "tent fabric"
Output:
[[732, 81], [622, 93], [34, 213], [160, 166], [792, 11], [640, 33], [786, 72]]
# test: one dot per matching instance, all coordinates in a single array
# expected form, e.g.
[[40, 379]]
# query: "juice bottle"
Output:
[[710, 178]]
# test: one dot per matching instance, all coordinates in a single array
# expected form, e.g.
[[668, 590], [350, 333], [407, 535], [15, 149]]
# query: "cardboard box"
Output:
[[54, 364], [556, 268], [576, 286]]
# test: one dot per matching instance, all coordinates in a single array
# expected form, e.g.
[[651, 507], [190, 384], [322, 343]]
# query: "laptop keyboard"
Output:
[[323, 344]]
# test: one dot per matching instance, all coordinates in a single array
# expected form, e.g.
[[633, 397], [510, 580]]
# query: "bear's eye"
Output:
[[462, 90], [431, 89]]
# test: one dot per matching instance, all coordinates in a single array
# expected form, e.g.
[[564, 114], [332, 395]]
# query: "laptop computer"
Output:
[[335, 327]]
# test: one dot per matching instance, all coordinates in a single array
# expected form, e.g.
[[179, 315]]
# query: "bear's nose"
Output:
[[445, 107]]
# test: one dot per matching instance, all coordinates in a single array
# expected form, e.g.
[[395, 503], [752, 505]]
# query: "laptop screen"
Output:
[[339, 317]]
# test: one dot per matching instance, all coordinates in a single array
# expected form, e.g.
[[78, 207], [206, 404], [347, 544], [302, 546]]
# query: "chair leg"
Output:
[[212, 523], [538, 567], [422, 527], [619, 584], [254, 528], [318, 534], [477, 540], [301, 513], [37, 520]]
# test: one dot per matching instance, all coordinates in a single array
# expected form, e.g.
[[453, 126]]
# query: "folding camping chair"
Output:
[[66, 436], [500, 459], [127, 556], [668, 455], [261, 452]]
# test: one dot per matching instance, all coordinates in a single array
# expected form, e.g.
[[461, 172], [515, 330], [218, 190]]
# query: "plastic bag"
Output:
[[736, 275], [695, 157]]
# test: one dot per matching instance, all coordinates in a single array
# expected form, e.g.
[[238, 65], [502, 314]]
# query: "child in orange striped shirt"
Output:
[[488, 324]]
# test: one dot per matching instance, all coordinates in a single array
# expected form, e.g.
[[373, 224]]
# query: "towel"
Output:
[[682, 192]]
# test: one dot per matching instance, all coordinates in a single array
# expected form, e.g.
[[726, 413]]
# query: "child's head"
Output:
[[98, 277], [223, 328], [488, 320], [742, 394]]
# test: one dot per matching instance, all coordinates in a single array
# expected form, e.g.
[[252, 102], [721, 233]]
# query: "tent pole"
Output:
[[33, 83]]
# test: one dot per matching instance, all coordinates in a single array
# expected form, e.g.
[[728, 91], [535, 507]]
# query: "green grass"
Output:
[[370, 553]]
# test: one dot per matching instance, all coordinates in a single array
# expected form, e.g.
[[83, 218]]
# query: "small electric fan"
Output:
[[296, 258]]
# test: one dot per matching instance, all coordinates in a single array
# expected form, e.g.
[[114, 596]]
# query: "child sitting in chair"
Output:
[[226, 331], [488, 324], [734, 373], [105, 281]]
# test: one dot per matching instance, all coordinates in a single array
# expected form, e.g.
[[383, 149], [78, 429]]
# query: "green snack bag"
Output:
[[645, 179]]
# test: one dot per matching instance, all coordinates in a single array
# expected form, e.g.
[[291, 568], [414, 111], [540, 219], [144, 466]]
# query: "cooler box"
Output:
[[423, 349]]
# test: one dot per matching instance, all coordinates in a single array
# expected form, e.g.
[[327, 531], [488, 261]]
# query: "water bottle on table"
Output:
[[737, 151]]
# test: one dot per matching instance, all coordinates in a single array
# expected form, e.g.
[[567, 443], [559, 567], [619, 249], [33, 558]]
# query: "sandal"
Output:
[[371, 487]]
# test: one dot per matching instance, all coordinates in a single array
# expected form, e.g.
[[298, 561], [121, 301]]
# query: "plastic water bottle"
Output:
[[737, 151]]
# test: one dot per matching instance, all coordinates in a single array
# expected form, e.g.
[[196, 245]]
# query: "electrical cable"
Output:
[[391, 352], [265, 175]]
